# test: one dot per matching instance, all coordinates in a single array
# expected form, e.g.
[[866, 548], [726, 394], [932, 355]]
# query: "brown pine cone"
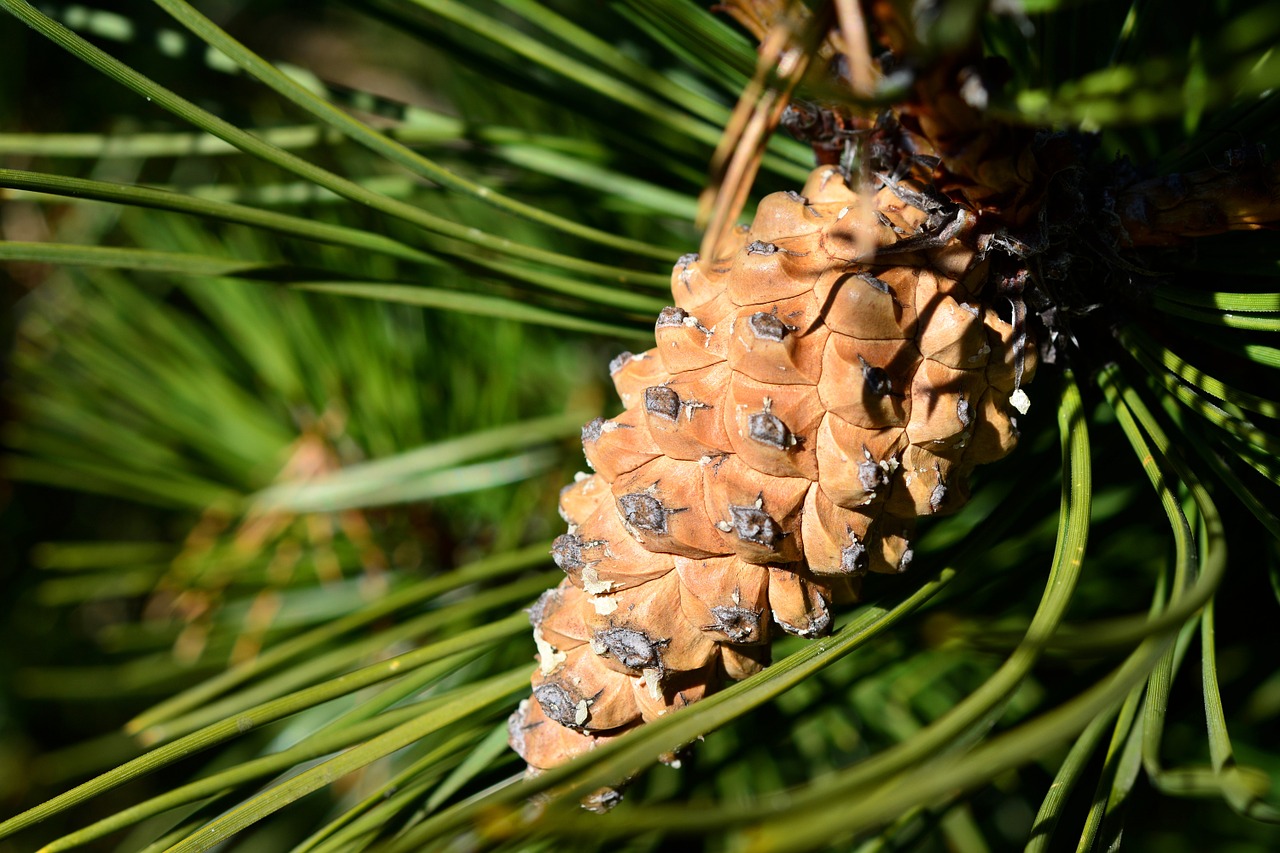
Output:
[[806, 401]]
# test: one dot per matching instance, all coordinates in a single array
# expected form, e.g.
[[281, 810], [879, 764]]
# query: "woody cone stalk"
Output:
[[807, 401]]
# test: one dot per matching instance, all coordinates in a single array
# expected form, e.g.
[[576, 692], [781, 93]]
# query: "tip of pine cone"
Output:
[[602, 801]]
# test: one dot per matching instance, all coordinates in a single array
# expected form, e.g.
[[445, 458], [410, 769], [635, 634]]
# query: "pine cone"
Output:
[[806, 401]]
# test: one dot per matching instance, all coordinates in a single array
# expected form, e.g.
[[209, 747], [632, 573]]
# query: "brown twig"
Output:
[[757, 114], [1243, 195]]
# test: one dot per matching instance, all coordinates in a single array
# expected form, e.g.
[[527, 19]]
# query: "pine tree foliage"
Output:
[[310, 312]]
